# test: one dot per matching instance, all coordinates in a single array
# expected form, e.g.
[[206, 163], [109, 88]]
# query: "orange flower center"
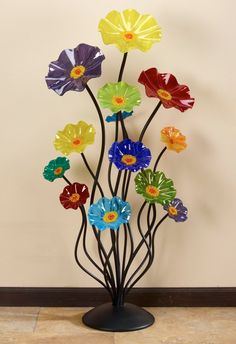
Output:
[[152, 191], [110, 216], [164, 94], [77, 72], [58, 171], [128, 36], [117, 100], [172, 211], [74, 197], [76, 142], [128, 159]]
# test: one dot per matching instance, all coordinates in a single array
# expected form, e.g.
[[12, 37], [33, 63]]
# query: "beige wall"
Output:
[[37, 235]]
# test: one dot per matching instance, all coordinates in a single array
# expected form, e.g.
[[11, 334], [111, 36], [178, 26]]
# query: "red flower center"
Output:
[[128, 159], [152, 191], [76, 142], [58, 171], [110, 216], [128, 36], [77, 72], [118, 100]]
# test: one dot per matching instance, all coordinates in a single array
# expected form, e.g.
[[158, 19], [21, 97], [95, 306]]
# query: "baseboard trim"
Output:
[[87, 297]]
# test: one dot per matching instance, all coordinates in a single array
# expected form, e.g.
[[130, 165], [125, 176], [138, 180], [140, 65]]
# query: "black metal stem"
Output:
[[159, 158], [122, 66], [149, 121], [152, 257], [68, 182], [84, 225], [92, 174], [102, 144]]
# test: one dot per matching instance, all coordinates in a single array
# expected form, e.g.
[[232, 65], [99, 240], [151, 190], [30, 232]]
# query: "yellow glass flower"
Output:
[[74, 138], [173, 139], [129, 30]]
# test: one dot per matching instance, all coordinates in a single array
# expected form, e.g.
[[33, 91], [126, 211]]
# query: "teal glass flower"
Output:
[[124, 114], [56, 168], [155, 187], [109, 213]]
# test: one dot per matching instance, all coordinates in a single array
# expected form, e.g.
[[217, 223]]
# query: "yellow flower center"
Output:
[[172, 211], [74, 197], [58, 171], [76, 142], [128, 36], [77, 72], [164, 94], [128, 159], [110, 216], [152, 191], [117, 100]]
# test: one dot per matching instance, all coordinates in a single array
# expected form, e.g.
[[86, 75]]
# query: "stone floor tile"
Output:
[[18, 319]]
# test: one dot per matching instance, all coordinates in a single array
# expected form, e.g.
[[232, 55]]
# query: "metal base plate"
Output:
[[118, 319]]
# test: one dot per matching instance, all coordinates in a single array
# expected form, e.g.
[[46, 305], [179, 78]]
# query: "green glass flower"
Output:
[[119, 96], [155, 187], [56, 168]]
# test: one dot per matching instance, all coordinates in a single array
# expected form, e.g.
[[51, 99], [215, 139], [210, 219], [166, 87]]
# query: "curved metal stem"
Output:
[[92, 174], [102, 145], [159, 158], [149, 121], [122, 66]]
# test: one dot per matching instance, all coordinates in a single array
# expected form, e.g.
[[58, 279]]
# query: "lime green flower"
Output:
[[119, 96], [155, 187]]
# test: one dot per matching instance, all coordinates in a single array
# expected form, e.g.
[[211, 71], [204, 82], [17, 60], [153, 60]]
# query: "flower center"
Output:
[[77, 72], [164, 94], [117, 100], [128, 36], [128, 159], [76, 142], [74, 197], [110, 216], [58, 171], [172, 211], [152, 191]]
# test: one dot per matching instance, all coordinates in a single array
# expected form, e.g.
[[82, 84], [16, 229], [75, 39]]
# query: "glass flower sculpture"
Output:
[[129, 30], [74, 195], [176, 210], [74, 138], [119, 96], [173, 139], [155, 187], [121, 248], [109, 213], [129, 155], [74, 68], [165, 87], [56, 168]]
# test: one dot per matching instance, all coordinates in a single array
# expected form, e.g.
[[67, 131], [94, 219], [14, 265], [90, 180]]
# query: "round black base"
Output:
[[118, 319]]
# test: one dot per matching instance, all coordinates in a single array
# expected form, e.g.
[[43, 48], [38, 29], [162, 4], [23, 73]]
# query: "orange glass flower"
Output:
[[173, 139]]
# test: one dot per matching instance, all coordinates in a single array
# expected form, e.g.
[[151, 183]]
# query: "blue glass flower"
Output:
[[112, 118], [74, 68], [56, 168], [176, 210], [109, 213], [129, 155]]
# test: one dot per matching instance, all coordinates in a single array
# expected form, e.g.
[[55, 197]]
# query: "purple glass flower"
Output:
[[129, 155], [74, 68], [176, 210]]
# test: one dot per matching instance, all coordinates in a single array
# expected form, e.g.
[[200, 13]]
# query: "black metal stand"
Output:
[[123, 318], [114, 269]]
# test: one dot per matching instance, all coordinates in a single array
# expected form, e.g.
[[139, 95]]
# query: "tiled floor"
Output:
[[64, 326]]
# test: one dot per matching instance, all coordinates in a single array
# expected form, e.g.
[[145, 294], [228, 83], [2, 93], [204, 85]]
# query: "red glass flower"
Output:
[[165, 87], [74, 195]]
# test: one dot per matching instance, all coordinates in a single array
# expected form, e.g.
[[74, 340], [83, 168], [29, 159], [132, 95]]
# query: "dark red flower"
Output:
[[165, 87], [74, 195]]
